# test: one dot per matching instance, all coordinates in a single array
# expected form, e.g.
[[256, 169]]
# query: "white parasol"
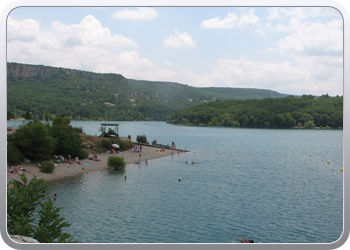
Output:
[[115, 145]]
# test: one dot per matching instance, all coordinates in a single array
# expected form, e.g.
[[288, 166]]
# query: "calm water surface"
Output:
[[251, 183]]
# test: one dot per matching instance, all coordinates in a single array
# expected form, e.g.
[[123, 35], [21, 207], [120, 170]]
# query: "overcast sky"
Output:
[[289, 50]]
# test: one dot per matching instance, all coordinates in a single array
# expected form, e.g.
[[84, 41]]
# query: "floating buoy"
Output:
[[310, 155], [341, 170], [327, 162]]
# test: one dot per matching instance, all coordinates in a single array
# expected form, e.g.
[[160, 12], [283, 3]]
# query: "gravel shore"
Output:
[[68, 170]]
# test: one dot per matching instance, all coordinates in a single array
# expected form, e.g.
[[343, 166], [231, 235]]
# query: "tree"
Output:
[[23, 200], [309, 125], [27, 115], [48, 116], [68, 140], [34, 141], [61, 119], [9, 115]]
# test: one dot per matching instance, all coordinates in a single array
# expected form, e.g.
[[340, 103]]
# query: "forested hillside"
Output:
[[279, 112], [89, 96]]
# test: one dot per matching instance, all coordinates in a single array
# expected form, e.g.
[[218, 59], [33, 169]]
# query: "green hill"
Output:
[[89, 96], [279, 112]]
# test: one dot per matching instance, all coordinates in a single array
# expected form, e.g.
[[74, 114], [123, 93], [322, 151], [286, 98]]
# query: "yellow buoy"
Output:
[[310, 155], [341, 170], [327, 162]]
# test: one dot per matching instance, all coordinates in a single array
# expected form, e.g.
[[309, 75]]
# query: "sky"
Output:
[[291, 50]]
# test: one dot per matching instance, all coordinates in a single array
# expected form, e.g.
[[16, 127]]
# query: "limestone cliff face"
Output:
[[23, 70]]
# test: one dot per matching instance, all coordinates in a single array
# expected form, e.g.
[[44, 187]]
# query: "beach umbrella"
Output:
[[115, 145]]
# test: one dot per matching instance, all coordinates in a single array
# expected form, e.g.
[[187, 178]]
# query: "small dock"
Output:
[[161, 146]]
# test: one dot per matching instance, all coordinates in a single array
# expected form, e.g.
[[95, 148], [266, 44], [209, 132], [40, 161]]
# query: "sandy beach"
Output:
[[69, 170]]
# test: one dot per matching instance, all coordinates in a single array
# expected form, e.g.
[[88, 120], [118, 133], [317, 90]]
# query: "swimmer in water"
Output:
[[245, 240]]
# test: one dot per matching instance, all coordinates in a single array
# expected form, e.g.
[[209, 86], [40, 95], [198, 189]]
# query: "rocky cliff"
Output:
[[24, 70]]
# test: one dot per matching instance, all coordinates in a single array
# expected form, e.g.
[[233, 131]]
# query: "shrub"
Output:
[[24, 197], [68, 140], [142, 139], [154, 142], [116, 162], [47, 167], [14, 156], [34, 141], [106, 143], [309, 125], [83, 154]]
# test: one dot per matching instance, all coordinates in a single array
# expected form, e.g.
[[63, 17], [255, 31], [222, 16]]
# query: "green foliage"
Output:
[[48, 117], [142, 139], [83, 154], [268, 112], [309, 125], [116, 162], [61, 120], [107, 143], [34, 141], [47, 167], [83, 95], [24, 199], [49, 229], [9, 115], [68, 140], [154, 142], [14, 156], [27, 115]]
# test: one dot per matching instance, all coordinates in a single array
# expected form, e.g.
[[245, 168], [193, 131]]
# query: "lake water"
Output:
[[251, 183]]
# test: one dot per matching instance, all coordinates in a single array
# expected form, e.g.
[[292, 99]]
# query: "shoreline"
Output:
[[70, 170]]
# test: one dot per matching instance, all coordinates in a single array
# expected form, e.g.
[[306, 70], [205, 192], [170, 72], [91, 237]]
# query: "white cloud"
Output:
[[179, 40], [248, 18], [142, 13], [76, 45], [231, 21], [24, 30], [313, 38], [168, 64]]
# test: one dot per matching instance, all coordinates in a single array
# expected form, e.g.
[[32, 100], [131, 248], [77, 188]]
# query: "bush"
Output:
[[116, 162], [309, 125], [154, 142], [24, 198], [142, 139], [83, 154], [106, 143], [34, 141], [68, 140], [47, 167], [14, 156]]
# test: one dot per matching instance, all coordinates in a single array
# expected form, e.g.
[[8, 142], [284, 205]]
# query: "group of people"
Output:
[[44, 195], [94, 158], [137, 148], [17, 170]]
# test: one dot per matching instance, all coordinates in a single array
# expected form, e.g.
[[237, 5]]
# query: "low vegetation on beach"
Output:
[[39, 141]]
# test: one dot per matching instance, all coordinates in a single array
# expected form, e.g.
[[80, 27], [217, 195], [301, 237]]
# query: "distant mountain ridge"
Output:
[[95, 96]]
